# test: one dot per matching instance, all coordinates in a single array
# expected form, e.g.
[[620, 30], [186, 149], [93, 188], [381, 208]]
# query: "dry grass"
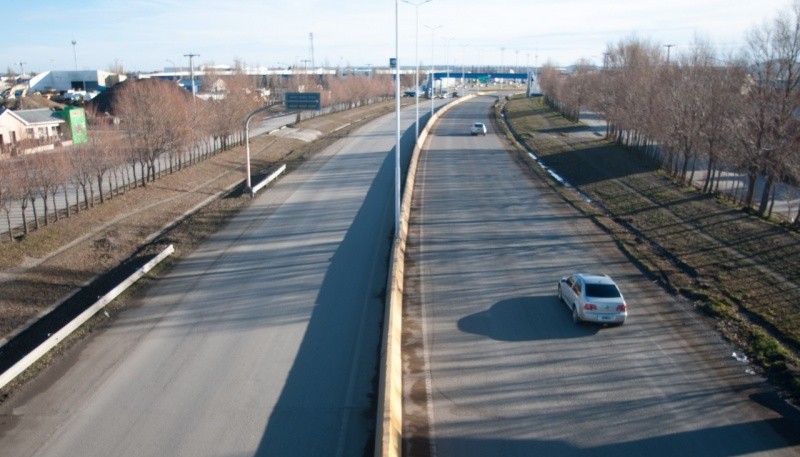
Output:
[[739, 268]]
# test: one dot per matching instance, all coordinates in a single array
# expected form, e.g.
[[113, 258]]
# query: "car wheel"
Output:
[[576, 319], [558, 293]]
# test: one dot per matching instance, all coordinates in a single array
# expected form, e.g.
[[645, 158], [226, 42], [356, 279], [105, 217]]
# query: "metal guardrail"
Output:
[[65, 331]]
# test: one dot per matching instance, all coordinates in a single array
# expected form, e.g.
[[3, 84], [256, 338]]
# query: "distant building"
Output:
[[33, 124], [63, 81]]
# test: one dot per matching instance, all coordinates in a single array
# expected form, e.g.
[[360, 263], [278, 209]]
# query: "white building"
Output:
[[63, 81], [28, 127]]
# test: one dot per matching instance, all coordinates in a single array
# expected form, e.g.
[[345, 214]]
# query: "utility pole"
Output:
[[191, 72], [668, 46]]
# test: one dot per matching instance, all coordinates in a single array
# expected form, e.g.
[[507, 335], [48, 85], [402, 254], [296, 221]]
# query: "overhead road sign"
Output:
[[302, 100]]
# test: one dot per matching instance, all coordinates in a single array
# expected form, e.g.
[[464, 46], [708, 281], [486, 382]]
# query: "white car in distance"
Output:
[[478, 128]]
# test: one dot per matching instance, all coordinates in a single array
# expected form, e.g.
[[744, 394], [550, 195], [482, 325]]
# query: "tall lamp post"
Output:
[[175, 67], [397, 116], [463, 63], [191, 72], [75, 54], [416, 58], [433, 69], [447, 57]]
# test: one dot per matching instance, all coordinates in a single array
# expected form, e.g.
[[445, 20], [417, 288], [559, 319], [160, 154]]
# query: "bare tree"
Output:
[[578, 88], [630, 90], [6, 193], [688, 109], [48, 174], [23, 189], [101, 157], [81, 174], [773, 58], [237, 98], [152, 114], [722, 89]]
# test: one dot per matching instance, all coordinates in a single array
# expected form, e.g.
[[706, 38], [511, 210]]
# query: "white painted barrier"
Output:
[[65, 331], [269, 179]]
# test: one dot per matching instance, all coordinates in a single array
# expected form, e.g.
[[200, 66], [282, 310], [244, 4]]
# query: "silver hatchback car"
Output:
[[593, 298]]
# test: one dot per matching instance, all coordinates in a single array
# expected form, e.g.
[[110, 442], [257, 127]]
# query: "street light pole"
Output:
[[433, 67], [463, 63], [447, 57], [75, 54], [502, 64], [248, 179], [191, 73], [397, 116], [416, 58], [173, 66]]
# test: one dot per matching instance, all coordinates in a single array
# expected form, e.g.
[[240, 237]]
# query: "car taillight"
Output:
[[623, 307], [589, 306]]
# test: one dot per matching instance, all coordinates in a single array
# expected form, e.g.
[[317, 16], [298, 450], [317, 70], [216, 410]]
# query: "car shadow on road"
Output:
[[526, 319]]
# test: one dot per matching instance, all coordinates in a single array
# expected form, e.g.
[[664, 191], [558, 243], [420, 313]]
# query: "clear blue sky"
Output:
[[145, 35]]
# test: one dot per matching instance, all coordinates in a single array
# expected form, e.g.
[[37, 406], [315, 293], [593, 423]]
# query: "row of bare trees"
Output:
[[731, 113], [160, 128]]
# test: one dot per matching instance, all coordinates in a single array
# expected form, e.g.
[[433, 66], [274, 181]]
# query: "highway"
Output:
[[495, 364], [262, 342]]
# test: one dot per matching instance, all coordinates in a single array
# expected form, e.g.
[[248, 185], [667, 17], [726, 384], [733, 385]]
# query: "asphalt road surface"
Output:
[[496, 366], [263, 342]]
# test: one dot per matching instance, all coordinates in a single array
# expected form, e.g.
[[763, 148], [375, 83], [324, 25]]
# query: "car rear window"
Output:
[[601, 291]]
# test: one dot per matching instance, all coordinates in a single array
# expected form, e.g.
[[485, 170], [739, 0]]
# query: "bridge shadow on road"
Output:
[[328, 402]]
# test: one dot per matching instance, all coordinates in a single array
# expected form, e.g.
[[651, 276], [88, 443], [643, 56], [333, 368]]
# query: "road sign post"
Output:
[[297, 101]]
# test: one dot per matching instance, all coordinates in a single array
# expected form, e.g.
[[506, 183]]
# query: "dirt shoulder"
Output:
[[736, 268], [48, 265]]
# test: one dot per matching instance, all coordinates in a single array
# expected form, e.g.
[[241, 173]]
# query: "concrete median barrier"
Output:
[[389, 429]]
